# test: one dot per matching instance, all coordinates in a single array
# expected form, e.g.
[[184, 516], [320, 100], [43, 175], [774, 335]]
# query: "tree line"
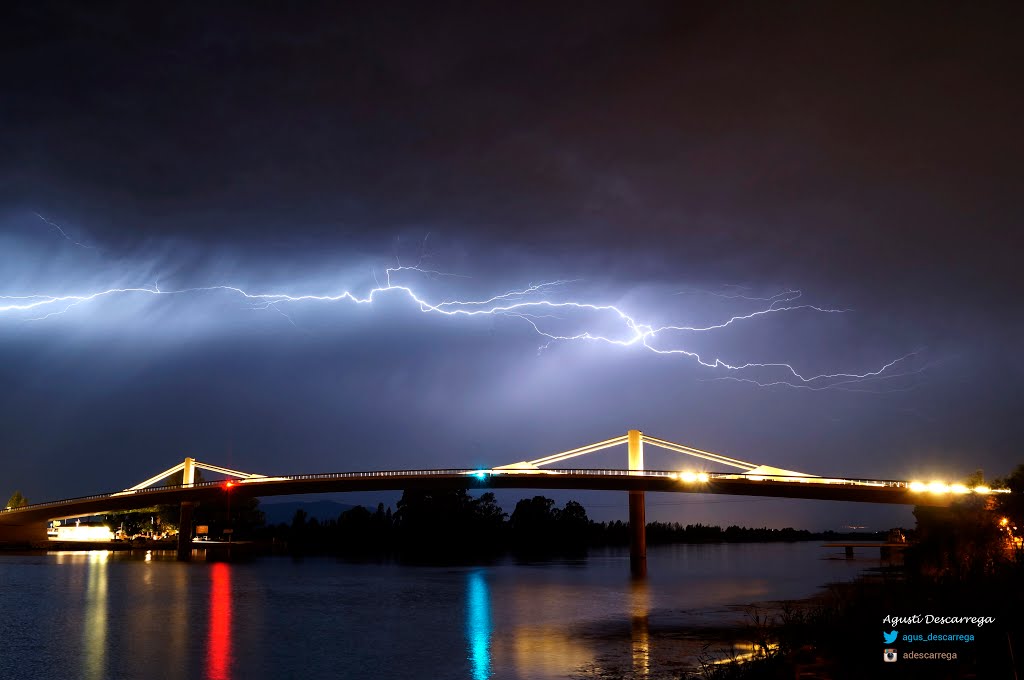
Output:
[[430, 525]]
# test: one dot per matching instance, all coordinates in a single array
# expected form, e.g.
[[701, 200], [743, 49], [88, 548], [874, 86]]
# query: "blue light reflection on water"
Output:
[[478, 624]]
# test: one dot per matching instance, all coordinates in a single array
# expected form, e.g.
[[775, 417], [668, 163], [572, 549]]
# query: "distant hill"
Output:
[[321, 510]]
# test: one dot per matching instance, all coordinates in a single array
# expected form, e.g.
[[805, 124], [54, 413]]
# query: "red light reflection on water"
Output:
[[218, 651]]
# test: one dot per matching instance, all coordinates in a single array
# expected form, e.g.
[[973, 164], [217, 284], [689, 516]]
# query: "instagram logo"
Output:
[[889, 655]]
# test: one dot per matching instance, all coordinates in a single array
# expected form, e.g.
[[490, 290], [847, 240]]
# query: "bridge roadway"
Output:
[[860, 490]]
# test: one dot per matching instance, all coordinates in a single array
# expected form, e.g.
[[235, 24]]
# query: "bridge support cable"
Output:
[[616, 441], [565, 455], [156, 478], [188, 469], [226, 471], [706, 455]]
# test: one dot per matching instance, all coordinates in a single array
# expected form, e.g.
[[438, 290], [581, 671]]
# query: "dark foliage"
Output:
[[454, 526]]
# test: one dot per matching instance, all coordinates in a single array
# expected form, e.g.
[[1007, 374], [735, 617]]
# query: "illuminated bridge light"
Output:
[[959, 489], [982, 489], [702, 477], [688, 477], [918, 487], [938, 487], [480, 474]]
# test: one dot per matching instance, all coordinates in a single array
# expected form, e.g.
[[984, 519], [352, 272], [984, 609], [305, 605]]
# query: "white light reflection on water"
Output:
[[94, 632], [640, 634]]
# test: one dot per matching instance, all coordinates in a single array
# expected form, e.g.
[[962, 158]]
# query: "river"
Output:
[[106, 616]]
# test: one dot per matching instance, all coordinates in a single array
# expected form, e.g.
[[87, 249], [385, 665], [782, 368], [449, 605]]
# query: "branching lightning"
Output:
[[62, 232], [543, 307]]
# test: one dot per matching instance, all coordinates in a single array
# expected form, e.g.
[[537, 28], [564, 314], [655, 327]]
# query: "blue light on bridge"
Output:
[[480, 474], [478, 625]]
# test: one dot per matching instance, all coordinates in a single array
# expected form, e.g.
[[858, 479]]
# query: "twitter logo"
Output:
[[891, 636]]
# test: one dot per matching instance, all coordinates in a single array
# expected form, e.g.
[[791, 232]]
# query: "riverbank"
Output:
[[837, 634]]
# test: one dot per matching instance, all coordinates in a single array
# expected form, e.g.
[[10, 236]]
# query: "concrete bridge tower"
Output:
[[637, 510]]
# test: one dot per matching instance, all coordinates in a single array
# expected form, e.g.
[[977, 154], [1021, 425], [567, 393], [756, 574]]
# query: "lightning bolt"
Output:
[[60, 229], [542, 306]]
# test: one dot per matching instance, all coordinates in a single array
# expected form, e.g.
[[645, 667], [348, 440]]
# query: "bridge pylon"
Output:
[[634, 441], [637, 510], [188, 468]]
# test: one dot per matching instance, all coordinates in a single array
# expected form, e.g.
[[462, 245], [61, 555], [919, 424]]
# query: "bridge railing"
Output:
[[458, 472]]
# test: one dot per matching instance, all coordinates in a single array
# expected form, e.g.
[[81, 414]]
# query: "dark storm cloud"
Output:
[[867, 154]]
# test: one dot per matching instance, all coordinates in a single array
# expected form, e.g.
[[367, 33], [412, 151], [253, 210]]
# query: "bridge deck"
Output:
[[855, 544], [864, 491]]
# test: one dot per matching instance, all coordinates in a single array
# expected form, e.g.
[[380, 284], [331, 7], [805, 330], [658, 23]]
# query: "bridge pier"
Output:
[[185, 532], [637, 511], [31, 535], [638, 535]]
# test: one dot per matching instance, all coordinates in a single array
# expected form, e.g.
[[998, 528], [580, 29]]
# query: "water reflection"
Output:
[[218, 651], [540, 641], [478, 624], [177, 623], [640, 635], [544, 651], [508, 621], [94, 632]]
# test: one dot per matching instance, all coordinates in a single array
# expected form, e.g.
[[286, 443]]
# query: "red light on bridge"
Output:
[[228, 485]]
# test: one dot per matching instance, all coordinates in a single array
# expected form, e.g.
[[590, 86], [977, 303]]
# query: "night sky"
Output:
[[682, 162]]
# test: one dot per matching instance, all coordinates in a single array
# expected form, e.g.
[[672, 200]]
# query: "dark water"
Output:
[[116, 615]]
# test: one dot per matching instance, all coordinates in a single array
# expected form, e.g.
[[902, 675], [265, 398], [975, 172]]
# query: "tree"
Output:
[[535, 525], [447, 525], [17, 500], [1010, 506], [573, 526], [487, 514], [959, 543], [574, 517], [142, 520]]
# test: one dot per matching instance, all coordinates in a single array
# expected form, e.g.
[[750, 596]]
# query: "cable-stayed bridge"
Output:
[[28, 523]]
